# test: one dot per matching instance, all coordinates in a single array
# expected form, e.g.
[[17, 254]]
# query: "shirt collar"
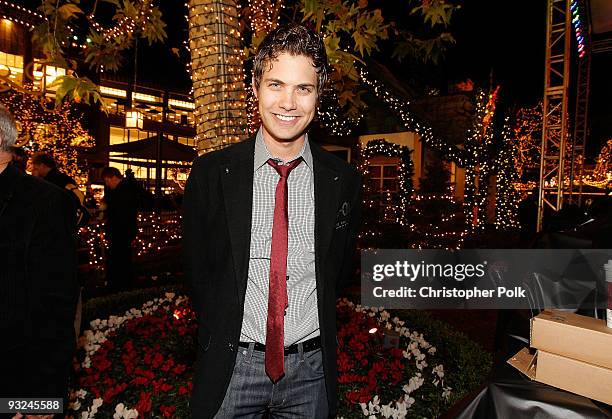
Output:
[[262, 155]]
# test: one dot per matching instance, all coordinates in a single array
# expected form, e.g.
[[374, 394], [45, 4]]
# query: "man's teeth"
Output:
[[286, 118]]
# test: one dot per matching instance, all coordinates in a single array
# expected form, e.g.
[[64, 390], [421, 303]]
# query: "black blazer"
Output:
[[38, 286], [217, 231]]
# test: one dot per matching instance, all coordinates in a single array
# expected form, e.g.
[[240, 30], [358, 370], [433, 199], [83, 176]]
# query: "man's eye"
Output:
[[274, 85], [304, 89]]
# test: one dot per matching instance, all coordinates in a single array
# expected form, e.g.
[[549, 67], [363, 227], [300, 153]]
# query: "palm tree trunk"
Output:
[[217, 73]]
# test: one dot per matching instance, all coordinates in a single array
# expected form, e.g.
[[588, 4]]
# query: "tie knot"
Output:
[[284, 169]]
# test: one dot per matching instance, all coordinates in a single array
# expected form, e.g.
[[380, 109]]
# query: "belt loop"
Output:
[[250, 352], [300, 347]]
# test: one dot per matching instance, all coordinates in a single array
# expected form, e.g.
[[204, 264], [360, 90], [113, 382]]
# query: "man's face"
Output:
[[111, 182], [38, 169], [287, 97]]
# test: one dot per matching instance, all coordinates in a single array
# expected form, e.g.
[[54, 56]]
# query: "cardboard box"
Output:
[[573, 336], [578, 377]]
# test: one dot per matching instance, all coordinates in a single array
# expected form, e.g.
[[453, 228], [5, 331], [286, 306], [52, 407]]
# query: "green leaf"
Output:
[[69, 11], [436, 12], [79, 89]]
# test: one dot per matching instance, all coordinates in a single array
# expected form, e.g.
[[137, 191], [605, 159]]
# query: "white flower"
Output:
[[75, 405], [96, 403], [170, 295], [119, 409], [446, 393], [413, 384], [432, 350], [384, 315], [439, 370], [81, 393], [131, 414]]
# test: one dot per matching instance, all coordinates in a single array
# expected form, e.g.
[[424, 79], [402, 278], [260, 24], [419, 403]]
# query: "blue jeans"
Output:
[[300, 393]]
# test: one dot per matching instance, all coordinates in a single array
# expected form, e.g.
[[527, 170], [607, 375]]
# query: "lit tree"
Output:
[[55, 131], [507, 200], [435, 224], [479, 166]]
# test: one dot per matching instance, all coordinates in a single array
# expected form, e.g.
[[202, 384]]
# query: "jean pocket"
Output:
[[313, 361]]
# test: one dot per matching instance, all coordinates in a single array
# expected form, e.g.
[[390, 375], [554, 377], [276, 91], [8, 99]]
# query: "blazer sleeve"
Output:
[[52, 279], [348, 265], [194, 234]]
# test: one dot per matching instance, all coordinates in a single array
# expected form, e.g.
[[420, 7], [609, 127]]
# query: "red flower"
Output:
[[103, 364], [352, 396], [167, 411], [179, 369], [144, 403]]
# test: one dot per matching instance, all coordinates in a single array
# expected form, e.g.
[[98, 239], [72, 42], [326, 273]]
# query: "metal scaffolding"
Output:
[[581, 125], [555, 112]]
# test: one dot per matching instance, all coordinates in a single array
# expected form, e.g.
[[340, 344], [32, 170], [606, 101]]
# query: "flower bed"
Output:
[[141, 364]]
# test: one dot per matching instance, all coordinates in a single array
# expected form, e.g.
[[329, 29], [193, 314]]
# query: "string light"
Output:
[[217, 74], [21, 15], [329, 118], [507, 199], [400, 107], [579, 27], [155, 232], [381, 147], [56, 131], [479, 166]]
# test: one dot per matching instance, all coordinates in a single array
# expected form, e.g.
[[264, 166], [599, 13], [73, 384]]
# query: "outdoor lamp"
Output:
[[134, 119]]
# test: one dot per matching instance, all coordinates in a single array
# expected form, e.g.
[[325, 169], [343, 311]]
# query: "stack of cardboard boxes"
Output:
[[573, 353]]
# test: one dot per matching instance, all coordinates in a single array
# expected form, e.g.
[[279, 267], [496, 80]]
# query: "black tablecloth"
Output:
[[511, 395]]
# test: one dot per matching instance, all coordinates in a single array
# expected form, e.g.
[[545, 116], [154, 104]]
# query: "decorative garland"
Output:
[[381, 147], [449, 151]]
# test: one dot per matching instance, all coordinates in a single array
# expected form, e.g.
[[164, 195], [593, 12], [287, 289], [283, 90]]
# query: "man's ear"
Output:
[[254, 87]]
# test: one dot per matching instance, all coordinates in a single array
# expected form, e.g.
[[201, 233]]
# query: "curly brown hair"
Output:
[[295, 40]]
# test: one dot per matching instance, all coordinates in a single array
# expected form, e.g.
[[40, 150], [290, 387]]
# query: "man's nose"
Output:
[[287, 101]]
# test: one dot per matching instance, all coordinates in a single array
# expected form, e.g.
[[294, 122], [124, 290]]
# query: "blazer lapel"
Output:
[[327, 182], [237, 181]]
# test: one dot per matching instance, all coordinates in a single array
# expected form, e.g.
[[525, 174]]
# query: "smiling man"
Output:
[[269, 234]]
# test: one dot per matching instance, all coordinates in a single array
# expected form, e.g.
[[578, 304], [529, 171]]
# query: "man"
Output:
[[269, 232], [44, 166], [20, 158], [38, 282], [121, 212]]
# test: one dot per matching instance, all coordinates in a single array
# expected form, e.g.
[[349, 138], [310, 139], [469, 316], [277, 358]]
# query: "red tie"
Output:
[[277, 295]]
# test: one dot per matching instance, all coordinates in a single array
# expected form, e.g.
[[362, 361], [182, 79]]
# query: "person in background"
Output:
[[121, 212], [38, 281], [20, 158], [44, 166]]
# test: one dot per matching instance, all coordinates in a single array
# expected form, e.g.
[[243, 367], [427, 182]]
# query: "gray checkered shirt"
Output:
[[301, 320]]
